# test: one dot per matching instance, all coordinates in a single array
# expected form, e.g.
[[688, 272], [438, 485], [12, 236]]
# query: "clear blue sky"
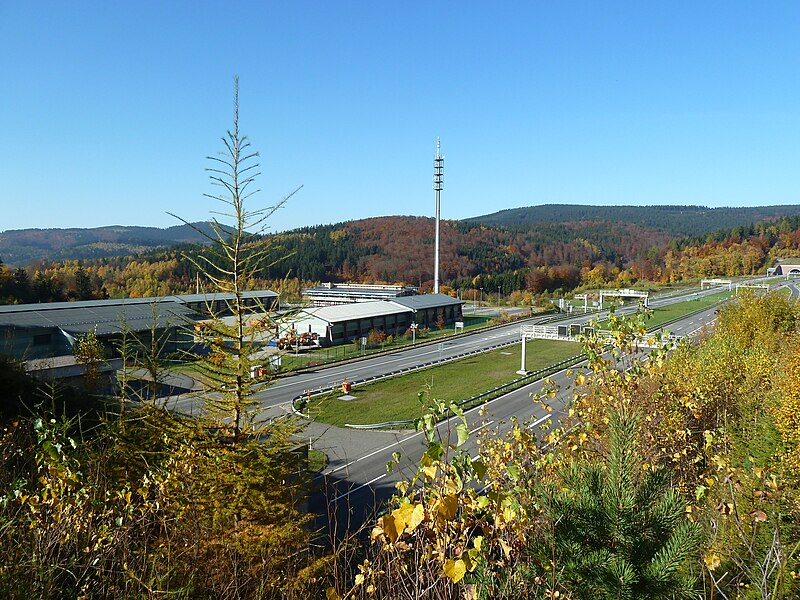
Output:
[[108, 109]]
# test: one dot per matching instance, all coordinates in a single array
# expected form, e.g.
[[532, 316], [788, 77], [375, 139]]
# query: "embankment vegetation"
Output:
[[674, 477]]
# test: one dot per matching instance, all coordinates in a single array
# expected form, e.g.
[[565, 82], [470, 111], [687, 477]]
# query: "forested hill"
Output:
[[19, 247], [400, 249], [549, 234], [677, 221], [546, 257]]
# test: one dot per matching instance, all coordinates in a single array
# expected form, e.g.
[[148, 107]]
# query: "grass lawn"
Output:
[[395, 399], [673, 311]]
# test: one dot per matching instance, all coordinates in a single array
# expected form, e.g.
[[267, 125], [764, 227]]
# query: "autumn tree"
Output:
[[231, 264], [89, 353]]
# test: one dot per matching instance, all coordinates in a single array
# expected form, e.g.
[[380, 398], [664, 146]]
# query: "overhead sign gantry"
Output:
[[713, 282], [624, 293]]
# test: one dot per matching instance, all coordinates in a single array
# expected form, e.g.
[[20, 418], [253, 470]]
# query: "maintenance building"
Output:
[[346, 322]]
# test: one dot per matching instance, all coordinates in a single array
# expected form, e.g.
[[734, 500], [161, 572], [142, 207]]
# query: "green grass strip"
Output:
[[396, 399], [680, 309]]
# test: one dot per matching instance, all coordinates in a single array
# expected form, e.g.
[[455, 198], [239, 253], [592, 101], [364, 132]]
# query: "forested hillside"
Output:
[[517, 262], [678, 221], [20, 247]]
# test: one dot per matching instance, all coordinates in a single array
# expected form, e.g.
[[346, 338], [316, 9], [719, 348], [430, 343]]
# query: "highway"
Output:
[[356, 480], [275, 399]]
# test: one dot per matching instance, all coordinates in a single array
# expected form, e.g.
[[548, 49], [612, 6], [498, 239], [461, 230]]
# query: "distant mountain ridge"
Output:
[[676, 220], [19, 247], [553, 232]]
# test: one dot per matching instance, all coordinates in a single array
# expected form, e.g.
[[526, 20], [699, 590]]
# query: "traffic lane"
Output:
[[282, 391], [278, 395], [693, 324], [359, 479], [292, 386], [366, 492], [519, 404], [286, 389], [369, 474]]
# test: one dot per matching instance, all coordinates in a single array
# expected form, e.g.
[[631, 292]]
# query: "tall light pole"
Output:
[[438, 185]]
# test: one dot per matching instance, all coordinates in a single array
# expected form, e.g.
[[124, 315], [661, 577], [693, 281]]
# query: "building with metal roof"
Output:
[[785, 266], [331, 294], [346, 322], [46, 330]]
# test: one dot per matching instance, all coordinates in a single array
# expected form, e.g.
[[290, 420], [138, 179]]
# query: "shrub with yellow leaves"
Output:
[[444, 535]]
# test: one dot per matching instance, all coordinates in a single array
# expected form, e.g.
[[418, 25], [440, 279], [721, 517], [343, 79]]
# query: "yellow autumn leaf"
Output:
[[430, 471], [455, 569], [390, 527], [509, 513], [331, 594], [407, 517], [448, 506]]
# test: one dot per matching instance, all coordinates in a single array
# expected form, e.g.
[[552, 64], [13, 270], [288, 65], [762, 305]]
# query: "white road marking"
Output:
[[352, 462], [540, 421]]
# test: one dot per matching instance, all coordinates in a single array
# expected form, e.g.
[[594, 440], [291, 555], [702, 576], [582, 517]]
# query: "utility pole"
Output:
[[438, 185]]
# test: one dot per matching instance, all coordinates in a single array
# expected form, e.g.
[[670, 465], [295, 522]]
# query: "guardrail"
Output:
[[488, 394], [429, 342], [504, 388], [329, 388]]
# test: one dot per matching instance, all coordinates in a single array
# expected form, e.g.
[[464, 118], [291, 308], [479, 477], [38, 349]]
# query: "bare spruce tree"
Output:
[[231, 263]]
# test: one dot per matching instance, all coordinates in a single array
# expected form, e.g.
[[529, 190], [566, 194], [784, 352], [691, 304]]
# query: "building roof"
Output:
[[78, 318], [350, 312], [211, 297], [106, 316], [352, 293], [427, 301]]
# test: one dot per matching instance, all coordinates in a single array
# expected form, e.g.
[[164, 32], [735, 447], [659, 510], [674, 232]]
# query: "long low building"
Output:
[[331, 294], [346, 322], [36, 331]]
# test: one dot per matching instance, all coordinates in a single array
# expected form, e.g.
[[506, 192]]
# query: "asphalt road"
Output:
[[356, 481], [275, 400]]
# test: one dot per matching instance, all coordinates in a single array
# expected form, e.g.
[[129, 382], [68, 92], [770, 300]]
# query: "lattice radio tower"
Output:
[[438, 185]]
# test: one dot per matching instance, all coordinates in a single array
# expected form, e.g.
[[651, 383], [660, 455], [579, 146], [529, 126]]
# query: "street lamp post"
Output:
[[481, 298]]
